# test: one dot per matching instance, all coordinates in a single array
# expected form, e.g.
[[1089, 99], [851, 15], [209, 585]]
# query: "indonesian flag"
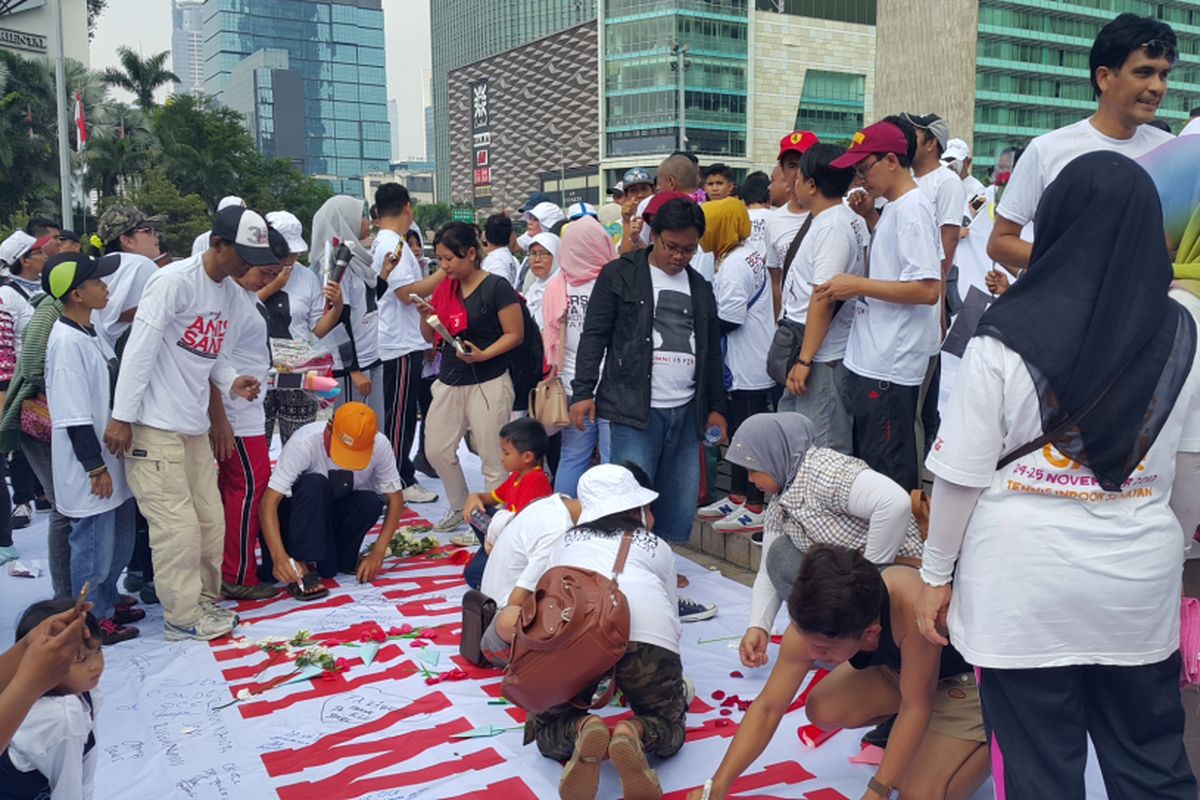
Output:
[[80, 123]]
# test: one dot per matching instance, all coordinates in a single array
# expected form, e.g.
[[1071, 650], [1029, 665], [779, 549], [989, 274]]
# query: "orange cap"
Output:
[[353, 439]]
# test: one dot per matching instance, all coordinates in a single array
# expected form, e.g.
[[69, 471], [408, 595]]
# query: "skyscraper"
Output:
[[187, 45], [466, 31], [309, 76]]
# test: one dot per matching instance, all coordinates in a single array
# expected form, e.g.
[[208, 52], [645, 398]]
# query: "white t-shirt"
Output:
[[52, 739], [830, 248], [175, 347], [743, 291], [782, 227], [201, 243], [1053, 570], [648, 581], [577, 305], [305, 454], [894, 341], [1049, 153], [249, 354], [519, 557], [301, 301], [502, 262], [704, 263], [758, 229], [673, 364], [399, 323], [78, 384], [125, 287], [19, 310], [945, 190]]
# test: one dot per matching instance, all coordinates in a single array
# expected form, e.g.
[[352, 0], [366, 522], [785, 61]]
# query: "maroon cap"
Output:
[[659, 199], [40, 243], [877, 139], [796, 142]]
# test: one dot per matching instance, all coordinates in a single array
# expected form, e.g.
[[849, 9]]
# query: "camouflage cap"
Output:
[[119, 220]]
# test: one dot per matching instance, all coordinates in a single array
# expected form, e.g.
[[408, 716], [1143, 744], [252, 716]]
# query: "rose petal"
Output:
[[420, 643], [725, 712], [432, 679], [718, 695], [736, 674], [406, 629]]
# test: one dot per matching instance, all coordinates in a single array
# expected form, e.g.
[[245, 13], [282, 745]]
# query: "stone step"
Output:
[[736, 548]]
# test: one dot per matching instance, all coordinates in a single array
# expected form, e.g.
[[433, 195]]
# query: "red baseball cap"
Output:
[[42, 242], [796, 142], [877, 139], [660, 199]]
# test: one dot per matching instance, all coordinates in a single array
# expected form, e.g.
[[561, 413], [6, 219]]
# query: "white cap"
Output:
[[523, 241], [231, 200], [577, 210], [610, 489], [956, 150], [289, 225], [16, 246], [547, 214]]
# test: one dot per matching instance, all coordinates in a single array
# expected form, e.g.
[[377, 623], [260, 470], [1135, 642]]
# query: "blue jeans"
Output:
[[668, 450], [100, 549], [577, 449]]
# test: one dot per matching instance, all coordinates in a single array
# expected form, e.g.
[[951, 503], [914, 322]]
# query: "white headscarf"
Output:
[[533, 297], [340, 218]]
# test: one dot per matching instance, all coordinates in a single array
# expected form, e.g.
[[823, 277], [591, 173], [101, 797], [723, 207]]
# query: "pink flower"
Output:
[[432, 679], [341, 665], [403, 630], [431, 635]]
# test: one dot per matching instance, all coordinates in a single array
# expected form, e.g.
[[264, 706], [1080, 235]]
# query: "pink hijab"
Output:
[[586, 247]]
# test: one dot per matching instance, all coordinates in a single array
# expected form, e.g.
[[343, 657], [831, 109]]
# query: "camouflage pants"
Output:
[[651, 679]]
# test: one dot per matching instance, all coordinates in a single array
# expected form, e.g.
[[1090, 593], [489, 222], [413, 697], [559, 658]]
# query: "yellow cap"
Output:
[[353, 439]]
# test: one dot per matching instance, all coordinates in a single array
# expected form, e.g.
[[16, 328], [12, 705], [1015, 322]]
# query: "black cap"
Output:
[[67, 271], [246, 230]]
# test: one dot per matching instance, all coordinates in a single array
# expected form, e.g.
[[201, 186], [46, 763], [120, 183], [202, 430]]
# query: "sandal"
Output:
[[309, 587], [638, 780], [581, 775]]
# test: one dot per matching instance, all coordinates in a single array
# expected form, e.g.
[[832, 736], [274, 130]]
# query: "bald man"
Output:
[[678, 173]]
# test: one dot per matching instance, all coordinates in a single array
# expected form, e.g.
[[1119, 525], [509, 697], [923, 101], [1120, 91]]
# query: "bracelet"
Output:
[[98, 471], [878, 788], [800, 360]]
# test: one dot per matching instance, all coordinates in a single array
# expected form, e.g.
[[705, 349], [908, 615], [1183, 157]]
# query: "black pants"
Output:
[[1039, 721], [140, 560], [885, 435], [25, 486], [401, 382], [931, 420], [742, 405], [317, 529], [424, 400]]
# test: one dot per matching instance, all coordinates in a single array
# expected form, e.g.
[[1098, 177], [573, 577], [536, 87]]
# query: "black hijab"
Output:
[[1092, 318]]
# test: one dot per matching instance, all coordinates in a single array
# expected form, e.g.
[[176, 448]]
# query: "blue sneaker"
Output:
[[691, 611], [719, 509], [8, 554]]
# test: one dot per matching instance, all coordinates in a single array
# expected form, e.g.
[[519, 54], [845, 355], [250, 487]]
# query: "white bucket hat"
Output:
[[287, 224], [610, 489]]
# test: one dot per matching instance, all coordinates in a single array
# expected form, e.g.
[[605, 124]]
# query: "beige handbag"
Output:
[[548, 400]]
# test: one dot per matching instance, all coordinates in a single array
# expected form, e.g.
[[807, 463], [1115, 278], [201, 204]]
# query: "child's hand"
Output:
[[51, 648], [474, 503]]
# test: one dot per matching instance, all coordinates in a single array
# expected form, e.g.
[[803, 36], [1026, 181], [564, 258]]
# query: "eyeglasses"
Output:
[[1157, 48], [676, 250], [861, 172], [534, 255]]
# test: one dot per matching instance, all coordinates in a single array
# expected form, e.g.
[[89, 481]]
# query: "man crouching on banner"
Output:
[[844, 611], [323, 498]]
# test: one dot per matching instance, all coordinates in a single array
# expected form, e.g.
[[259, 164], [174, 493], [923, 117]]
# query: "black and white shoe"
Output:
[[691, 611], [22, 515]]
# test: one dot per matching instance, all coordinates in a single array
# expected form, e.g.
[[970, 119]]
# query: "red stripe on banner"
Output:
[[787, 773], [825, 794], [799, 702], [720, 726], [322, 687], [437, 607], [299, 605], [510, 789], [424, 584], [231, 652], [351, 781]]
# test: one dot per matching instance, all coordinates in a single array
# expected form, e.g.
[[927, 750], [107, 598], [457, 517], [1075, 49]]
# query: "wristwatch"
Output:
[[878, 788]]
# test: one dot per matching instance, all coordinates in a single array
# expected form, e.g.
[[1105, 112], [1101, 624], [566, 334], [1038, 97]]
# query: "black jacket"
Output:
[[618, 330]]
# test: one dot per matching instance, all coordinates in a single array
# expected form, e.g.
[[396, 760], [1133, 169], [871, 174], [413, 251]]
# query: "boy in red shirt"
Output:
[[523, 444]]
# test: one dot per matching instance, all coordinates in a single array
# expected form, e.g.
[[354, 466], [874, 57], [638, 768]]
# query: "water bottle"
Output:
[[712, 435]]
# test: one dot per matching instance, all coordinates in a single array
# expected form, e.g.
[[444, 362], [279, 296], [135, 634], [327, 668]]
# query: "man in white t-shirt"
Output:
[[401, 345], [786, 221], [755, 192], [817, 382], [324, 497], [160, 419], [1130, 61], [895, 328], [957, 158], [943, 187], [499, 260]]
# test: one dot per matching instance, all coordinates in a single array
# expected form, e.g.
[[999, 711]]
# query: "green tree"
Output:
[[142, 77], [205, 148], [28, 138], [277, 185], [119, 147], [186, 215], [94, 9], [432, 216]]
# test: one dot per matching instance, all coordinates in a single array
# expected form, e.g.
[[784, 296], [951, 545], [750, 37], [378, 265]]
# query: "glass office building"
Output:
[[641, 98], [466, 31], [1032, 66], [310, 77]]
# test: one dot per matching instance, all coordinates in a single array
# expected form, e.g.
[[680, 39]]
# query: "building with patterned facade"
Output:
[[526, 120]]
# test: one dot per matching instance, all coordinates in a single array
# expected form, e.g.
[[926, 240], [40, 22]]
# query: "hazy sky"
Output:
[[145, 25]]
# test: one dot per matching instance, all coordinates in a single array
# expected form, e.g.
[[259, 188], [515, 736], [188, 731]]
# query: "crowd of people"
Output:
[[791, 322]]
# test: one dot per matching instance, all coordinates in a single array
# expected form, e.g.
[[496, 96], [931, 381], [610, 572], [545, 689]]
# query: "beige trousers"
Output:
[[174, 478], [484, 409]]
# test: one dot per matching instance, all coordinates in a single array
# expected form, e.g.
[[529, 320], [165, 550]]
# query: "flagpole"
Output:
[[60, 91]]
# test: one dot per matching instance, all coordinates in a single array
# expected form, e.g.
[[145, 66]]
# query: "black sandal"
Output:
[[309, 587]]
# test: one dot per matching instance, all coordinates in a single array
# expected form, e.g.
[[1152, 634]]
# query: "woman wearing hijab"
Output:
[[586, 247], [543, 265], [744, 308], [1065, 480], [344, 219], [819, 496]]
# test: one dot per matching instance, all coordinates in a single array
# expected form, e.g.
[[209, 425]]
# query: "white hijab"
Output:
[[533, 297], [340, 218]]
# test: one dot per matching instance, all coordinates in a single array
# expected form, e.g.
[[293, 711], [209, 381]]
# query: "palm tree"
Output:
[[140, 76]]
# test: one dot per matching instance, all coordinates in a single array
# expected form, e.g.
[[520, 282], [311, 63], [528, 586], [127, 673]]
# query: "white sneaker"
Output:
[[204, 629], [718, 510], [419, 494], [211, 610], [451, 522], [741, 521], [468, 539]]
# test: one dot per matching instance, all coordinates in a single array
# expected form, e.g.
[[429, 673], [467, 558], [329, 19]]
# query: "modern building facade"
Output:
[[416, 177], [527, 120], [1004, 71], [187, 45], [314, 75], [467, 31], [26, 29]]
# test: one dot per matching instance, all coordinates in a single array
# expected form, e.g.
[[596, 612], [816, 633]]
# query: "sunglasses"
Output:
[[1156, 48]]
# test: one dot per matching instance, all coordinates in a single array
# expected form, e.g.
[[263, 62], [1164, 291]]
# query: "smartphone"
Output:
[[480, 520], [83, 593], [978, 202], [435, 323]]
